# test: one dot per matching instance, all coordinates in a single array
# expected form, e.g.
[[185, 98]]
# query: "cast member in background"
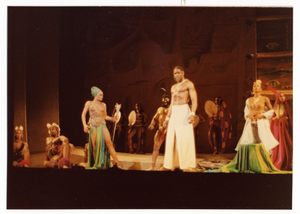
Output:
[[100, 144], [159, 136], [282, 129], [21, 157], [220, 128], [180, 141], [138, 127]]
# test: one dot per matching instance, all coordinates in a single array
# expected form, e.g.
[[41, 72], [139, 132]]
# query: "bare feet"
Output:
[[151, 168], [189, 170]]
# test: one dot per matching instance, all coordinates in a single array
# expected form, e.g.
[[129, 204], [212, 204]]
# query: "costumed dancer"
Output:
[[137, 126], [257, 140], [159, 118], [180, 141], [257, 126], [282, 129], [100, 145], [120, 132], [220, 128], [58, 149], [21, 157]]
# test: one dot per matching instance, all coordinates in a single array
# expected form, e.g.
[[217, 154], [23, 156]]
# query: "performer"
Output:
[[257, 126], [100, 144], [282, 129], [257, 141], [139, 128], [159, 136], [180, 142], [120, 132], [21, 157], [57, 147], [219, 133]]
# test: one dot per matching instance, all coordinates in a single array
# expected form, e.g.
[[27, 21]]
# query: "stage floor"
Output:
[[137, 161]]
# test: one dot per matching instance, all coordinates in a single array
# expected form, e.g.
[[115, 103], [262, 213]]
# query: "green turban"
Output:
[[95, 91]]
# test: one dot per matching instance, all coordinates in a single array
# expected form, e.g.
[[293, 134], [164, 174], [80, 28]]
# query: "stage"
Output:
[[138, 161]]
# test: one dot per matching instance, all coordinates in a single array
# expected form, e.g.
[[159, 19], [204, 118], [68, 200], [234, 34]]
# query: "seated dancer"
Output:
[[282, 129], [159, 136], [58, 148], [257, 140], [100, 144], [21, 157], [139, 128], [219, 133]]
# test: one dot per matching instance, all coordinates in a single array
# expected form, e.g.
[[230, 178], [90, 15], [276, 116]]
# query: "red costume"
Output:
[[282, 130]]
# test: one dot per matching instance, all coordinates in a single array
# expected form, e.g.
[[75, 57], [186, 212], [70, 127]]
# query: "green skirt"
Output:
[[251, 158], [102, 156]]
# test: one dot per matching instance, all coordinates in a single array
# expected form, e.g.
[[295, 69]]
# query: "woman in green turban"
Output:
[[100, 144]]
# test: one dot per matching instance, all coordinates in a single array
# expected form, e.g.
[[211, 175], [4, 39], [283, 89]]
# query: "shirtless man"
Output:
[[180, 142], [57, 147], [21, 157], [159, 136], [98, 151]]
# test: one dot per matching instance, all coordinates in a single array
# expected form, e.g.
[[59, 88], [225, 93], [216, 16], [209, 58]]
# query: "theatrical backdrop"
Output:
[[55, 55]]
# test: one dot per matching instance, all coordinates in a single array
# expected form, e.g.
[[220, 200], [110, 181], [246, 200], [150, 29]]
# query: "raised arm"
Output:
[[86, 107]]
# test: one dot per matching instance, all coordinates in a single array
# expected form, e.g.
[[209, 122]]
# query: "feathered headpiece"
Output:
[[165, 94], [20, 128], [53, 124]]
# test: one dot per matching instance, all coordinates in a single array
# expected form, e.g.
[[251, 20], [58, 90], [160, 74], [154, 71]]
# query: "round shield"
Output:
[[118, 116], [210, 108], [132, 117]]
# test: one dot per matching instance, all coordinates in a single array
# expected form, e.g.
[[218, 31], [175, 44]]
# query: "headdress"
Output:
[[53, 124], [20, 128], [95, 90], [258, 82], [165, 94]]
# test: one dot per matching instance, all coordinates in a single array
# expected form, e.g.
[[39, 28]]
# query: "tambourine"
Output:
[[132, 118], [210, 108]]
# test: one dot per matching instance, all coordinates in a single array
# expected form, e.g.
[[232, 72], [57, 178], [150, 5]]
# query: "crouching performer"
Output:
[[58, 149], [100, 145], [21, 157]]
